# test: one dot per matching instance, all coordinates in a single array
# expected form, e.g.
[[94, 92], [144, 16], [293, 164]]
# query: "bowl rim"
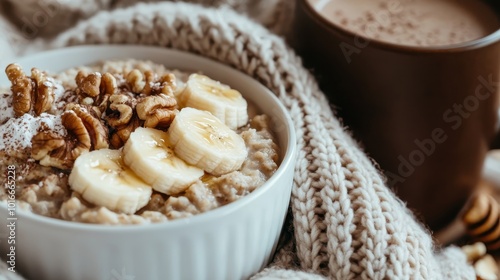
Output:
[[288, 157], [485, 41]]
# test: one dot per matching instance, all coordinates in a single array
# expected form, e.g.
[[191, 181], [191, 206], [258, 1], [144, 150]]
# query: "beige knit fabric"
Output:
[[346, 223]]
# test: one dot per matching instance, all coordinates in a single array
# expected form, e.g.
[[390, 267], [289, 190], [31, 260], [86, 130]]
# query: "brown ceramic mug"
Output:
[[427, 114]]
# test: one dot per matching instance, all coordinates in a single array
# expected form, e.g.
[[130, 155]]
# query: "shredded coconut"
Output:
[[16, 133], [120, 80], [7, 110], [66, 97], [58, 88], [60, 98]]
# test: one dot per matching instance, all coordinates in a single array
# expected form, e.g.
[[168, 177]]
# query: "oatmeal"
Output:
[[130, 142]]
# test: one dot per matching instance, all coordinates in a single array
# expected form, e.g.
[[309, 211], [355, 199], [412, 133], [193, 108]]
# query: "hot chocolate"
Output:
[[392, 97], [412, 22]]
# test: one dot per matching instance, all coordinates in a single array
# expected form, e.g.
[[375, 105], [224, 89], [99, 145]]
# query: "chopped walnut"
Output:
[[88, 85], [56, 151], [122, 107], [135, 79], [35, 92], [108, 88], [98, 133], [76, 128], [169, 84], [121, 118], [21, 89], [85, 132], [46, 144], [95, 89], [158, 111], [122, 133], [108, 84], [93, 110], [149, 84], [44, 92]]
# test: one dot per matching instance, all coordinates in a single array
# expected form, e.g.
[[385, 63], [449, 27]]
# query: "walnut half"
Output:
[[35, 93], [157, 111], [121, 118], [21, 89], [58, 151], [98, 133], [88, 85], [122, 109], [149, 84], [44, 92], [85, 132], [95, 89]]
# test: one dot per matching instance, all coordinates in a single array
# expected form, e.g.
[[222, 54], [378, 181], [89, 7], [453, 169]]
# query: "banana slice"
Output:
[[101, 178], [203, 140], [148, 154], [225, 103]]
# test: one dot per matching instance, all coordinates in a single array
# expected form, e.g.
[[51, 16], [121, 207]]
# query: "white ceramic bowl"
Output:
[[231, 242]]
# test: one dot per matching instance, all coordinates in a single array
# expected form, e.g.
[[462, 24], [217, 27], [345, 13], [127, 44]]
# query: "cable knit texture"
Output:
[[346, 223]]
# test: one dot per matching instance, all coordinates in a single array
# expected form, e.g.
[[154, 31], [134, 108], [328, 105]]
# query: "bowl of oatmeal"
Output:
[[148, 162]]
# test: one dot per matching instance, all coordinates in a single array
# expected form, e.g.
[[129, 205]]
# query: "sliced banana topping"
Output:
[[200, 142], [102, 179], [148, 153], [201, 139], [225, 103]]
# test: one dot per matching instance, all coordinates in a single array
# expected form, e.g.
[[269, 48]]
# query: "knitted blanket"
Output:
[[345, 223]]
